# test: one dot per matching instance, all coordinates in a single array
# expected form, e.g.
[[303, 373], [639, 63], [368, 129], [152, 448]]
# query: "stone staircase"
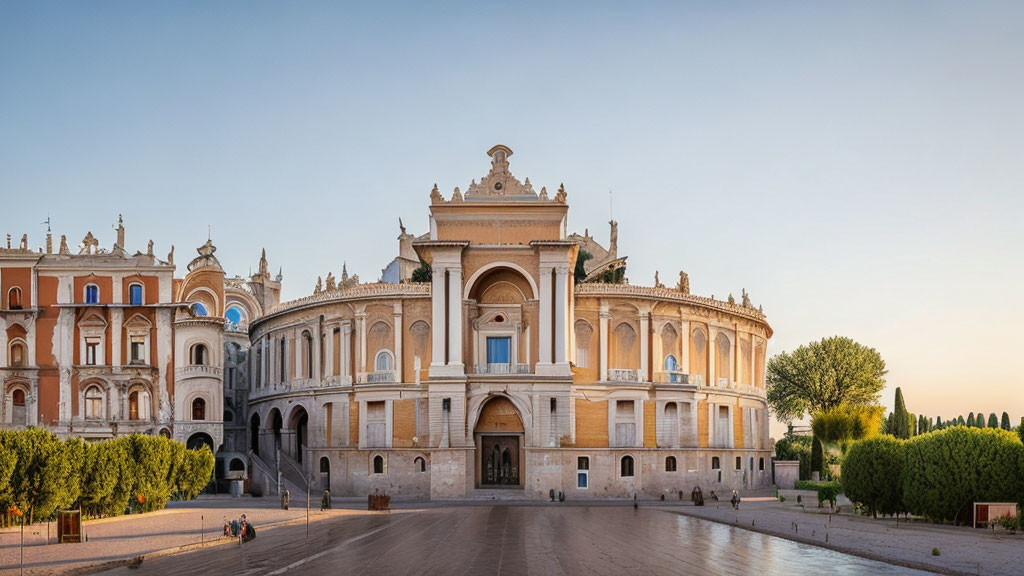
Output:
[[504, 494]]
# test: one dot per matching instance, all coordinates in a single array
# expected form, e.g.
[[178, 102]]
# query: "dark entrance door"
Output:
[[500, 465]]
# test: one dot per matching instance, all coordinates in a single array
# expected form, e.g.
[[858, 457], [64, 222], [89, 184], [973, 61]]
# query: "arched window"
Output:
[[135, 294], [626, 467], [420, 464], [17, 354], [92, 294], [199, 310], [583, 335], [282, 357], [378, 464], [715, 463], [307, 344], [228, 416], [200, 355], [739, 462], [133, 405], [93, 403], [234, 315], [199, 409], [670, 464], [723, 367], [760, 464], [14, 298], [384, 361], [672, 366], [18, 415]]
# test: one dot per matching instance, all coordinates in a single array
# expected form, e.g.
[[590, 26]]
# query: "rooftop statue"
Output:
[[684, 282], [746, 299], [64, 244], [560, 195], [657, 282], [319, 285], [331, 286], [435, 195]]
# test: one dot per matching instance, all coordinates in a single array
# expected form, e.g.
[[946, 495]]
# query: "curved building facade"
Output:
[[521, 359]]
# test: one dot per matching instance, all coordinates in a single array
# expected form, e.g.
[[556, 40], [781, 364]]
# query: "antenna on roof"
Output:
[[47, 222], [611, 215], [209, 233]]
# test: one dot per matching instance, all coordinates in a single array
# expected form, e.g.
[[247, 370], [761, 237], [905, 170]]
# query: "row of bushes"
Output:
[[938, 475], [40, 474], [827, 491]]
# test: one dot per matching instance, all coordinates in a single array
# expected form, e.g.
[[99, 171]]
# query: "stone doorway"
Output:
[[500, 461], [499, 436]]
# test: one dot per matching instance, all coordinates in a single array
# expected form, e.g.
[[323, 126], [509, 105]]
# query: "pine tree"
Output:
[[901, 426], [993, 420], [970, 420], [1005, 422]]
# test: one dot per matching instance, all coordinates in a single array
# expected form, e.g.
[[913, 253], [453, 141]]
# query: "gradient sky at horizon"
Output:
[[856, 167]]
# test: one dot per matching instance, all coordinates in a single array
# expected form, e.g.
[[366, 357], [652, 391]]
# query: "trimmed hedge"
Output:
[[943, 472], [872, 474], [827, 491], [40, 474]]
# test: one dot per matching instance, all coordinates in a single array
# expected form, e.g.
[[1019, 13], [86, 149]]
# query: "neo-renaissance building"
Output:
[[520, 359]]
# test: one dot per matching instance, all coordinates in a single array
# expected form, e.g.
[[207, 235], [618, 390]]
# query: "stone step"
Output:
[[499, 494]]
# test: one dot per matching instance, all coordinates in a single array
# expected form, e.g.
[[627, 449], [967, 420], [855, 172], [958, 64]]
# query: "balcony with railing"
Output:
[[198, 371], [672, 377], [623, 375], [501, 369], [378, 377]]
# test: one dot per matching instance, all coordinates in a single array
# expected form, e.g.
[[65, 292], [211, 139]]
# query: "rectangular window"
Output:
[[135, 294], [625, 423], [138, 350], [376, 425], [583, 472], [92, 294], [91, 351], [499, 350]]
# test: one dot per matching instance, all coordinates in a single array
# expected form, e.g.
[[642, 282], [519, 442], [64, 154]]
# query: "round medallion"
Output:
[[497, 185]]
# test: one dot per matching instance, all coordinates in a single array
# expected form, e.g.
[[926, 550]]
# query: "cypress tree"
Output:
[[817, 456], [1005, 423], [979, 420], [970, 420], [993, 420], [901, 427], [960, 421]]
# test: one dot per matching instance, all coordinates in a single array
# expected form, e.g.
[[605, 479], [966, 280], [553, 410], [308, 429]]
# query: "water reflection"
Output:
[[717, 547]]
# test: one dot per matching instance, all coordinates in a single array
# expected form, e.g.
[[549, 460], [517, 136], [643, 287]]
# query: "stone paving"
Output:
[[962, 550], [452, 534]]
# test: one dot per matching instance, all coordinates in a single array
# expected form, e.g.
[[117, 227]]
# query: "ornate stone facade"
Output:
[[502, 372]]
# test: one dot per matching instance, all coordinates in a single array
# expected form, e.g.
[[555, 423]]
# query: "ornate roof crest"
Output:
[[500, 182]]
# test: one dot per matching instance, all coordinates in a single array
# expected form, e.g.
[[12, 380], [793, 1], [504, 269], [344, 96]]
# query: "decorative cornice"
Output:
[[360, 292], [670, 295]]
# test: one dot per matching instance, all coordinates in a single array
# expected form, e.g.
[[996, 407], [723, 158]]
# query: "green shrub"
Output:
[[947, 471], [873, 473], [796, 448], [827, 491], [194, 473]]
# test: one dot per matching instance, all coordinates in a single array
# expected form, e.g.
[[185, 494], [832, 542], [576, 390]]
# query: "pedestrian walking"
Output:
[[735, 500]]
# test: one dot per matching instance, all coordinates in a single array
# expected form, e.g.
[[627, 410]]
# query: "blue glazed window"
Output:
[[135, 294], [199, 310], [92, 294], [499, 350]]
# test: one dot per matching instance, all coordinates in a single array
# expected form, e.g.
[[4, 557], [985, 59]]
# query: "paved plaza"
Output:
[[517, 538]]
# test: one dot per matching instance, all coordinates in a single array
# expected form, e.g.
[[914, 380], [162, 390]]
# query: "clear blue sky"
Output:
[[858, 168]]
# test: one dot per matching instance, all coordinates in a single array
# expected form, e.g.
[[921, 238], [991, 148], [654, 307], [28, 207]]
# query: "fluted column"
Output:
[[645, 337], [605, 316], [397, 319]]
